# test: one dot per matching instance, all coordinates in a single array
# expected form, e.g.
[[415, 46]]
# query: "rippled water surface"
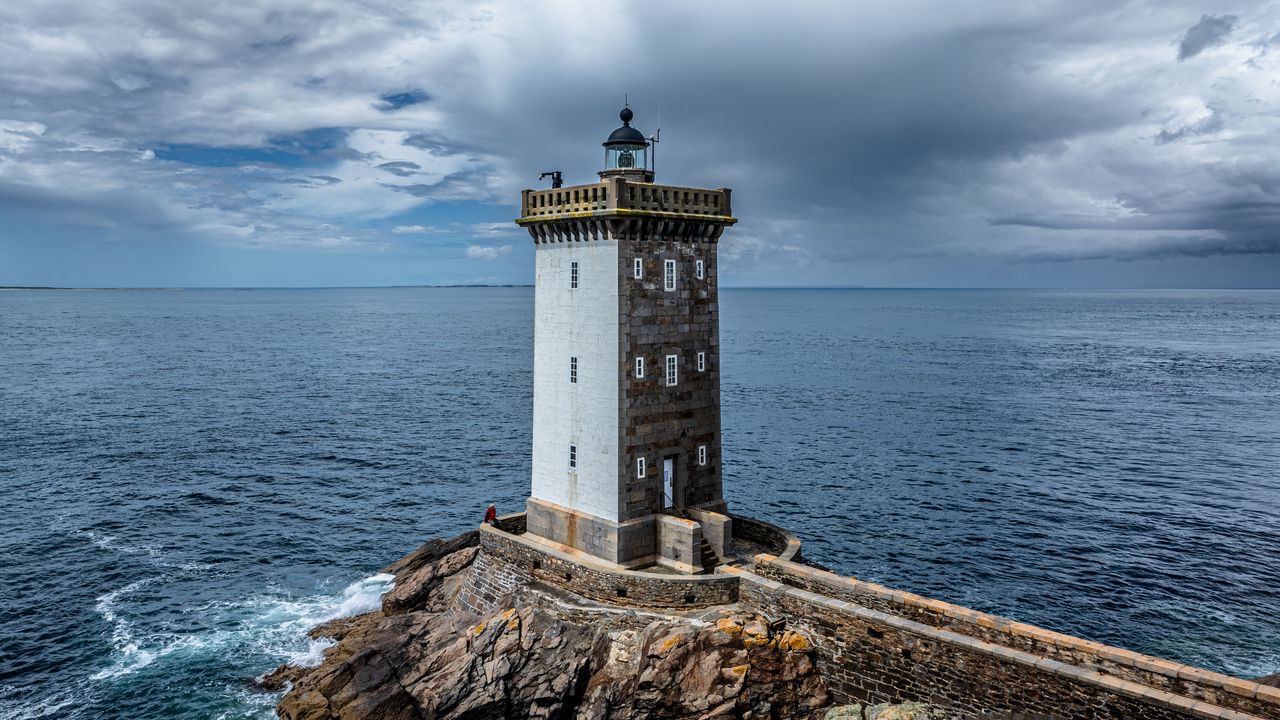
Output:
[[190, 479]]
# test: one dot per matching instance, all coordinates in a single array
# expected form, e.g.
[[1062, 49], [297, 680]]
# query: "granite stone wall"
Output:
[[581, 575], [657, 420], [490, 579], [869, 656], [1154, 673]]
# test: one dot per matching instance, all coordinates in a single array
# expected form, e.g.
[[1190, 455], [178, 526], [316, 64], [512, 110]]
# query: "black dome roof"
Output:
[[625, 135]]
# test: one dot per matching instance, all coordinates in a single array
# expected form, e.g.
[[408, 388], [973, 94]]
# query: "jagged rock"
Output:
[[282, 677], [416, 589], [431, 551], [541, 656], [1272, 680], [338, 629]]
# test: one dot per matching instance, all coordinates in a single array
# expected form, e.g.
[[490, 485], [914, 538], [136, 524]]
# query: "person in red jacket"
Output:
[[491, 515]]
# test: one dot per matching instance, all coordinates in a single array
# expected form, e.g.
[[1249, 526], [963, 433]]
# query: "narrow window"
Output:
[[669, 277], [639, 367], [702, 361], [701, 272], [637, 269], [573, 457], [640, 467], [573, 369], [673, 373], [573, 275], [702, 454]]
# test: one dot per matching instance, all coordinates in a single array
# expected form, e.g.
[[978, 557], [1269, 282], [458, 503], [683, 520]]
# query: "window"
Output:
[[573, 457], [702, 454], [700, 270], [639, 368], [702, 361], [640, 467], [573, 275], [673, 372], [669, 277], [573, 369], [637, 269]]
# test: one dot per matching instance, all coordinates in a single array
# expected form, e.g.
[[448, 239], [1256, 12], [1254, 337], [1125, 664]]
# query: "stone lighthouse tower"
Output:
[[626, 398]]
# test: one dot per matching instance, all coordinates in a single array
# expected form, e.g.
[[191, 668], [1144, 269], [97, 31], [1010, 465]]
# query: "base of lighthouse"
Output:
[[692, 542]]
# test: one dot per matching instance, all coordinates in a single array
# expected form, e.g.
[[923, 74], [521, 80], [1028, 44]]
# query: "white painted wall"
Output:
[[581, 322]]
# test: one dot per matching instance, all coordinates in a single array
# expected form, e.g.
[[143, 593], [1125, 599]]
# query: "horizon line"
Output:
[[530, 285]]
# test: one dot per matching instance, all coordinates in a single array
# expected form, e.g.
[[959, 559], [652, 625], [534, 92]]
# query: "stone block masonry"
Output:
[[1157, 675], [579, 573], [874, 644]]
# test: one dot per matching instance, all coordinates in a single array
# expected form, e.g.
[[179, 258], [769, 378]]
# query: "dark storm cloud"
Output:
[[1209, 32], [852, 135]]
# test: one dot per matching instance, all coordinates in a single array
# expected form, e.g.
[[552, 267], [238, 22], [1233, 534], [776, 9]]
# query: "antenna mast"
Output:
[[653, 143]]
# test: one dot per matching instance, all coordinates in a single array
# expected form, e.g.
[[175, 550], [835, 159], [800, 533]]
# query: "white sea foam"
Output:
[[264, 625]]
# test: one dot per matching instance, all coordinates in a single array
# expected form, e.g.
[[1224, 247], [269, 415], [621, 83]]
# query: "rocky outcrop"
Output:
[[542, 654]]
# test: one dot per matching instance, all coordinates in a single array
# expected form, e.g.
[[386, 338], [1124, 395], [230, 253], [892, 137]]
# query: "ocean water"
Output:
[[189, 479]]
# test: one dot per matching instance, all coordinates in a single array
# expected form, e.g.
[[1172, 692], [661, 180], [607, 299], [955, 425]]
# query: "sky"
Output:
[[910, 144]]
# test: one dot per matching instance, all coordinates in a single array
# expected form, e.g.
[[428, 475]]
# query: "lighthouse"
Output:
[[626, 381]]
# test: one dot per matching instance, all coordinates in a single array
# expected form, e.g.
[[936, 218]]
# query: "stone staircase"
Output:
[[708, 558]]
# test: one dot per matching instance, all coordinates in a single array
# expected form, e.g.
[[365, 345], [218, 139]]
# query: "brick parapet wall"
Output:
[[871, 656], [582, 575], [1161, 676]]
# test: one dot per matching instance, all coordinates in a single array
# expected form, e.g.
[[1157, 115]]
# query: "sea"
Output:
[[190, 479]]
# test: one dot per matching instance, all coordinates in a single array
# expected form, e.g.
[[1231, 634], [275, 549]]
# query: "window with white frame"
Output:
[[673, 369], [637, 269], [700, 270], [702, 454], [639, 368], [639, 467], [573, 275], [573, 457], [669, 274], [573, 369], [702, 361]]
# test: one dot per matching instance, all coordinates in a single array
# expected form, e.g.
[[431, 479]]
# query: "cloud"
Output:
[[853, 137], [480, 252], [1211, 31]]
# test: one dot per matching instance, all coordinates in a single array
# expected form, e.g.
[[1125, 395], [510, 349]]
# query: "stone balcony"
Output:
[[616, 196], [616, 208]]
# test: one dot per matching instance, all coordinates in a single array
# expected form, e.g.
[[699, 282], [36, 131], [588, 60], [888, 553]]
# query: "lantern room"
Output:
[[626, 152]]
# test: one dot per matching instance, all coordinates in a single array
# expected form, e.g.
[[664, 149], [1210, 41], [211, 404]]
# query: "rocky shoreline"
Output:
[[543, 653]]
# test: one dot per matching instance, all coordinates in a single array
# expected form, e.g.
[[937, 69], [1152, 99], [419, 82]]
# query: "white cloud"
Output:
[[1055, 129], [480, 252]]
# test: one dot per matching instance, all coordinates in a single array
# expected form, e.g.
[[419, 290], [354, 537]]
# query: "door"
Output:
[[668, 482]]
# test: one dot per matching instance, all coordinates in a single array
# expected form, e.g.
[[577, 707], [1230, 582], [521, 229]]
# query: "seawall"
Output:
[[875, 644]]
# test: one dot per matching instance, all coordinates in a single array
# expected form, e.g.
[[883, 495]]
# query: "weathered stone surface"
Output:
[[905, 711], [884, 711], [430, 552], [539, 655]]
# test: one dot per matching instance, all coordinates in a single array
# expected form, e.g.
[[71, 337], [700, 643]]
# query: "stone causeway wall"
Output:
[[1160, 679], [875, 644]]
